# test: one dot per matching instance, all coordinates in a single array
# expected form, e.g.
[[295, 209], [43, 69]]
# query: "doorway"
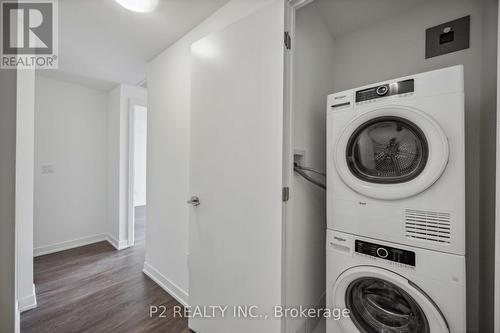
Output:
[[346, 46], [137, 173]]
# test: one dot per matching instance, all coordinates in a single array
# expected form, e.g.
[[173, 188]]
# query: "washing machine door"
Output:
[[391, 153], [380, 301]]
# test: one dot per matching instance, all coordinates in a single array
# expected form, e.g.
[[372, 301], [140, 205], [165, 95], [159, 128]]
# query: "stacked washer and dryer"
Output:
[[396, 205]]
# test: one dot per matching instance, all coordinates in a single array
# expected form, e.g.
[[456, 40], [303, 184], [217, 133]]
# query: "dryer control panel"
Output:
[[384, 90], [385, 252]]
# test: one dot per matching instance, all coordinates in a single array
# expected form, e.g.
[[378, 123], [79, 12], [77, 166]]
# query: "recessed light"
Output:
[[139, 6]]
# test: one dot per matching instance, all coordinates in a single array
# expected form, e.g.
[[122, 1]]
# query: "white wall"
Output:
[[70, 141], [313, 81], [9, 316], [140, 155], [396, 47], [119, 101], [169, 87], [25, 155]]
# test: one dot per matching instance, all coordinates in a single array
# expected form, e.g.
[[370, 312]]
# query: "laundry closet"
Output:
[[339, 45]]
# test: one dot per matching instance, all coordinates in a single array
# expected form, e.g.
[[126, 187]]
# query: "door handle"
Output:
[[195, 201]]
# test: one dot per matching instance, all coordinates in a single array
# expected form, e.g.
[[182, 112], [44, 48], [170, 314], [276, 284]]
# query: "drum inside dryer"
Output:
[[387, 150]]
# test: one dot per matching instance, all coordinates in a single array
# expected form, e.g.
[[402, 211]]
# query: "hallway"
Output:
[[95, 288]]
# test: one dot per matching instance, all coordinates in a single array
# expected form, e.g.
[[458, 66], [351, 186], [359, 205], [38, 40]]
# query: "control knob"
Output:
[[382, 253], [382, 90]]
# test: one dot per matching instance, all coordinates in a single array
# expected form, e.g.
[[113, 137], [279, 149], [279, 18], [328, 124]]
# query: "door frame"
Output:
[[291, 7], [132, 102]]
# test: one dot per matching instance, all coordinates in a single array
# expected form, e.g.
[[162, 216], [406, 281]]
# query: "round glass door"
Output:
[[387, 150], [391, 153], [378, 306]]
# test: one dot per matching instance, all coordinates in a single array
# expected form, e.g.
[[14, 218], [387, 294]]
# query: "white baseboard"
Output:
[[28, 302], [119, 245], [58, 247], [171, 288], [47, 249]]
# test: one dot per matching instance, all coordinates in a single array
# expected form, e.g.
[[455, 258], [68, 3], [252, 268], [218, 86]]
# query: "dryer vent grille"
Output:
[[429, 226]]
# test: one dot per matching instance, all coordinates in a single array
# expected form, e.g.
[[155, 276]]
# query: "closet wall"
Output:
[[488, 166], [392, 47], [313, 81]]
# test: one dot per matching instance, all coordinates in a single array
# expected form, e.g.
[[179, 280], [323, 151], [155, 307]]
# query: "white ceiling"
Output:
[[102, 43], [345, 16]]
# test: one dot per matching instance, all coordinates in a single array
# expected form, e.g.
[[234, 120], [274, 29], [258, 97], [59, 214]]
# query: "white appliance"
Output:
[[396, 169], [393, 288]]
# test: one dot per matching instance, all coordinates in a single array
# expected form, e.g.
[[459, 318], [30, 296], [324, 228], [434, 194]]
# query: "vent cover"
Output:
[[429, 226]]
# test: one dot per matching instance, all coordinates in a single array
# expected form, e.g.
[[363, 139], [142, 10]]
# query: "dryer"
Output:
[[396, 169], [393, 288]]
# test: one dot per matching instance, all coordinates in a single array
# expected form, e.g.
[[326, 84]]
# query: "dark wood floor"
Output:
[[98, 289]]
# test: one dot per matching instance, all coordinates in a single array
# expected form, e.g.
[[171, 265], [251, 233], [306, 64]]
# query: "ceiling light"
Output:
[[139, 6]]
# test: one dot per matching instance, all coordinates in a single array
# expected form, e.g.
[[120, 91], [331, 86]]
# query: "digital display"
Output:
[[404, 87], [385, 90], [385, 252]]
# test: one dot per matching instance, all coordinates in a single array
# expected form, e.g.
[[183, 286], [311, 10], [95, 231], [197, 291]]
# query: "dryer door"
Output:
[[380, 301], [391, 153]]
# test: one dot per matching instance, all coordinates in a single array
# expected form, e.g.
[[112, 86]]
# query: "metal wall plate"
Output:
[[447, 37]]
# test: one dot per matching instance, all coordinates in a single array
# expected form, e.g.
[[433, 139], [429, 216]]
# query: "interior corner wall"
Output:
[[70, 165], [395, 48], [8, 309], [169, 107], [25, 156], [313, 81], [118, 113]]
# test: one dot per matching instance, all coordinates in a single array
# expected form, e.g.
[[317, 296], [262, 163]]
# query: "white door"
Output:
[[236, 172]]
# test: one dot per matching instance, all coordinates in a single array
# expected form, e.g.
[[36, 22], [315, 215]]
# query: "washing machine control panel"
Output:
[[384, 90], [385, 252]]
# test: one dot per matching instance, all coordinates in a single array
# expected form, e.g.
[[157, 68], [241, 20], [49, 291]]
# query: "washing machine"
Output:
[[396, 169], [392, 288]]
